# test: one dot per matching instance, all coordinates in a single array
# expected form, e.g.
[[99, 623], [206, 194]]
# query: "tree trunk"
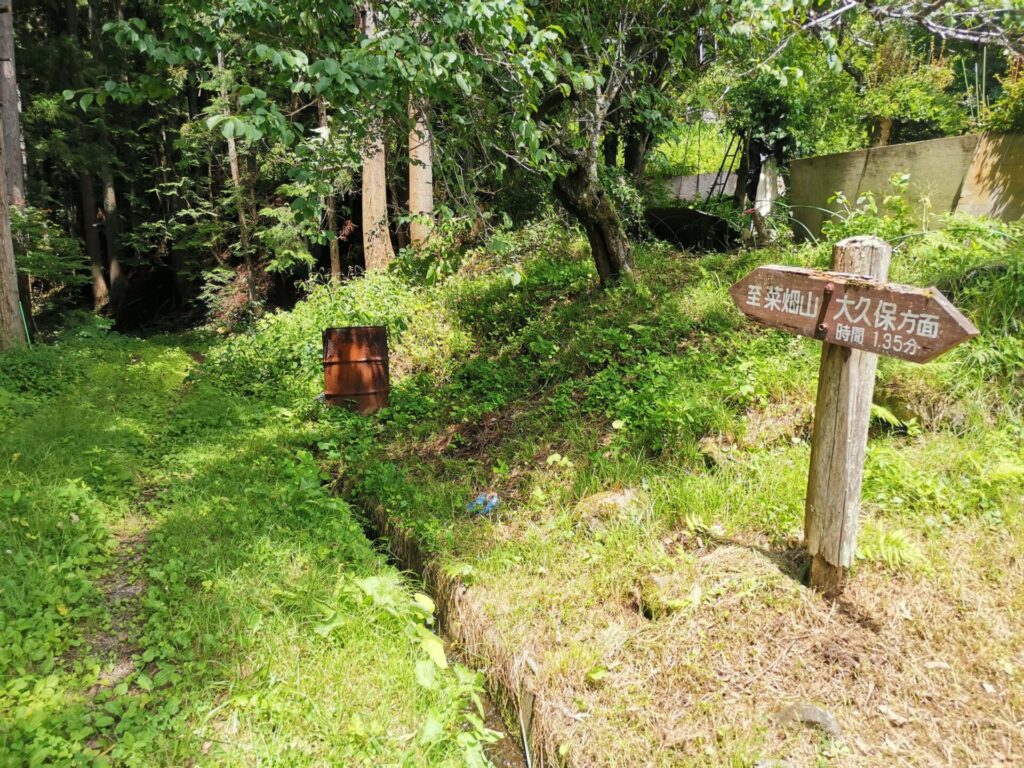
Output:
[[112, 230], [636, 150], [611, 147], [883, 132], [14, 171], [331, 206], [243, 223], [236, 185], [71, 16], [377, 250], [581, 193], [332, 245], [739, 197], [10, 108], [12, 329], [100, 292], [421, 177]]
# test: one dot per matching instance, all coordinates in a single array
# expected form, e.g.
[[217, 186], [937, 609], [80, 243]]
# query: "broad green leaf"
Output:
[[426, 674], [432, 644], [431, 730]]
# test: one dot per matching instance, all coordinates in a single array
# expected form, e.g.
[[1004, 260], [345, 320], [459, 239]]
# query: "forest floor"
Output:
[[178, 587]]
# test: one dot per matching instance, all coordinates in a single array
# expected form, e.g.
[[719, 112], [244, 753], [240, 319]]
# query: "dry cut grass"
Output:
[[918, 669]]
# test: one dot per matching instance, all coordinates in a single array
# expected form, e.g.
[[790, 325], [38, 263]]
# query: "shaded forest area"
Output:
[[182, 158]]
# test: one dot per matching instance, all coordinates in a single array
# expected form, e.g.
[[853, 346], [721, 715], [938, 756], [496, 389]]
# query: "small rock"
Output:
[[656, 596], [772, 764], [600, 509], [808, 714]]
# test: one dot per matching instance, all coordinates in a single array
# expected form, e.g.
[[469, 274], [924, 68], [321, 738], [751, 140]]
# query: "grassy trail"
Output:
[[179, 588]]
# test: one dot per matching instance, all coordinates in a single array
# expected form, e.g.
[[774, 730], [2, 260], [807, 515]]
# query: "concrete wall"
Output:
[[697, 187], [977, 174], [994, 185]]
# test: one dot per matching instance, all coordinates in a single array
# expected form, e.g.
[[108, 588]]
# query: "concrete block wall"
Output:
[[978, 174]]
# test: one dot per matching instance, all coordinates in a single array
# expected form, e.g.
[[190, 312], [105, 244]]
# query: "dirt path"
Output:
[[122, 588]]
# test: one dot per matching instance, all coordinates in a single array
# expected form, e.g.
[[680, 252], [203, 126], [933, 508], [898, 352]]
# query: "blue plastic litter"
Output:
[[483, 504]]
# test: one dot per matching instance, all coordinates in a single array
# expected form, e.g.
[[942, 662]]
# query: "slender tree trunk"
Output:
[[739, 196], [100, 292], [636, 151], [421, 177], [10, 105], [610, 147], [112, 230], [71, 16], [243, 223], [883, 132], [580, 192], [330, 204], [12, 329], [10, 109], [332, 245], [377, 250], [236, 185]]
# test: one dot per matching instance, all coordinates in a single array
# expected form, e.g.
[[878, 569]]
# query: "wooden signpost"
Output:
[[859, 316]]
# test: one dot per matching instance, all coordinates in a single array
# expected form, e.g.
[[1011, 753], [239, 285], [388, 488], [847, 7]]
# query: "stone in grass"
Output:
[[808, 714], [600, 509], [727, 571], [661, 594]]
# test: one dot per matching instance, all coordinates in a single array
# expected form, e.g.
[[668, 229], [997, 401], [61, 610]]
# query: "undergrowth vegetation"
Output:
[[179, 586], [659, 380], [179, 581], [526, 380]]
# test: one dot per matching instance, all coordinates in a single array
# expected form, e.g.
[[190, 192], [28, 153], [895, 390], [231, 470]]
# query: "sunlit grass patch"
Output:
[[179, 585]]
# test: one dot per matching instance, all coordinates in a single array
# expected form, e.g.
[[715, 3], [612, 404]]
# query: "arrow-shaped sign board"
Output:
[[915, 324]]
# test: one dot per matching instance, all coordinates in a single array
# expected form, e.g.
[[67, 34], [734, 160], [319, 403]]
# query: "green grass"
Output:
[[253, 623], [546, 390], [549, 390], [692, 149]]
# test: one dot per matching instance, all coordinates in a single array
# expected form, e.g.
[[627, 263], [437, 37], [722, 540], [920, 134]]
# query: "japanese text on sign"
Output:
[[854, 311], [854, 317]]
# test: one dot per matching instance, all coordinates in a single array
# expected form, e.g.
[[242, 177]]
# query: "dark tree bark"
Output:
[[636, 151], [100, 291], [610, 147], [112, 232], [581, 193], [14, 160], [71, 16], [12, 332]]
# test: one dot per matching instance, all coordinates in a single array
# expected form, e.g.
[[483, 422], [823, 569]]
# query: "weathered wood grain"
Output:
[[853, 310], [846, 383]]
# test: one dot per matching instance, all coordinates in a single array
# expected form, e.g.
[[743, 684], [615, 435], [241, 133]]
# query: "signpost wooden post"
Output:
[[858, 316]]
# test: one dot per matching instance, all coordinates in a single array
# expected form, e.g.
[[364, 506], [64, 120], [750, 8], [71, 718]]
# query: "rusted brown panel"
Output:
[[915, 324], [356, 371]]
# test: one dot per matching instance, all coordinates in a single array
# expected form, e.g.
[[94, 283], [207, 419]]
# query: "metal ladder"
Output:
[[732, 152]]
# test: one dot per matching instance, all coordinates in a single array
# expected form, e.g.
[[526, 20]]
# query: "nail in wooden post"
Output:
[[846, 383]]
